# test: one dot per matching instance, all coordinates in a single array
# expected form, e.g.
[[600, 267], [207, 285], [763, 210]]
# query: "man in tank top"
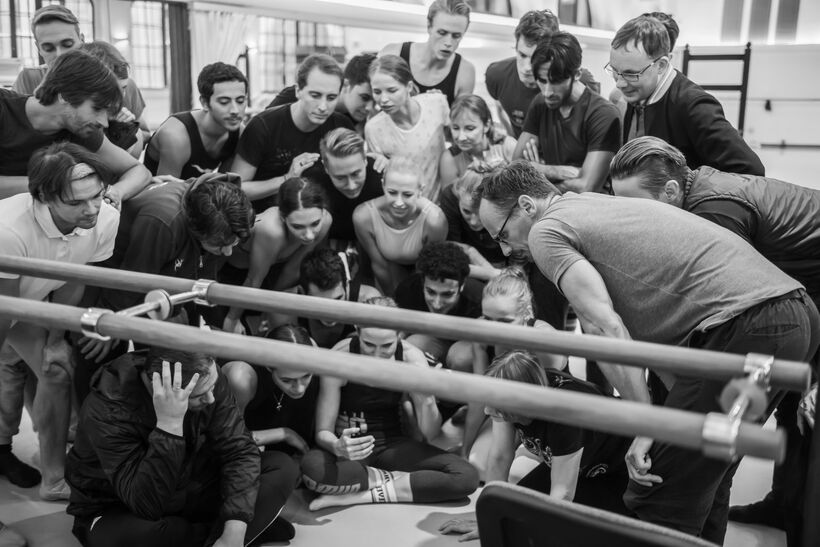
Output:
[[189, 144]]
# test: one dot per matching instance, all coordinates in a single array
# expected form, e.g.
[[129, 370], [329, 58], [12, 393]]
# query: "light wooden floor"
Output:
[[47, 525]]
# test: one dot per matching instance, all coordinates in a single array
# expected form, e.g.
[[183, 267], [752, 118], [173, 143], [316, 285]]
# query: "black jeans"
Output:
[[694, 495], [602, 491], [198, 523]]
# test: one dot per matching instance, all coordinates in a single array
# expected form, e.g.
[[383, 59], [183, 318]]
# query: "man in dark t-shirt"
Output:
[[441, 286], [570, 134], [283, 142], [72, 103], [510, 81], [348, 179], [355, 99]]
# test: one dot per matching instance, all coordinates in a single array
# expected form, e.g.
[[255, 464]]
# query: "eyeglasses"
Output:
[[497, 237], [629, 76]]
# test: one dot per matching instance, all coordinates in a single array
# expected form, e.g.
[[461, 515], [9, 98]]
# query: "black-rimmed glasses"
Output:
[[497, 237], [629, 76]]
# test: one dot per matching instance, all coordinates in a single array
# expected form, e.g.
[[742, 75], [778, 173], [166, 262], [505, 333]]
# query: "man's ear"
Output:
[[671, 191], [527, 205]]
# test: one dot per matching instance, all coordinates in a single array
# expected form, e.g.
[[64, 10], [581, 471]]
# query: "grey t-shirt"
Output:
[[669, 273]]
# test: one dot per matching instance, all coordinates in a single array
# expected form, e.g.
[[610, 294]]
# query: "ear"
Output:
[[671, 192], [60, 99], [528, 205], [346, 85]]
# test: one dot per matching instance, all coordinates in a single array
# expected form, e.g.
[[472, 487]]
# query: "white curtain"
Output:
[[217, 36]]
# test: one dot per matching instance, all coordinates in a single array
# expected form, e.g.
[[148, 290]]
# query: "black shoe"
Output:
[[762, 512], [17, 472], [280, 530]]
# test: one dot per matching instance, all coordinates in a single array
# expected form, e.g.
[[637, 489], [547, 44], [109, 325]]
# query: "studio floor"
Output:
[[47, 525]]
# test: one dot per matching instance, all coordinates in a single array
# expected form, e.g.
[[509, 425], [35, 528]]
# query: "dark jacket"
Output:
[[121, 459], [692, 120]]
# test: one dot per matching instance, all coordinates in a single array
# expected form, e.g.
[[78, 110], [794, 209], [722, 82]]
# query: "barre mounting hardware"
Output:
[[743, 399]]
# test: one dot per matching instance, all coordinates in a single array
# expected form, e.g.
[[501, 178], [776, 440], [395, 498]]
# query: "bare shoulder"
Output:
[[413, 355], [391, 49]]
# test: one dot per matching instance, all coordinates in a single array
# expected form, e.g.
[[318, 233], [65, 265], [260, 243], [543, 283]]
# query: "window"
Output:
[[16, 39], [149, 44]]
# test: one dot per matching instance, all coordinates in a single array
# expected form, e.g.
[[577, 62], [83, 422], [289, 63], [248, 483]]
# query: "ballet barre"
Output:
[[615, 416], [783, 374]]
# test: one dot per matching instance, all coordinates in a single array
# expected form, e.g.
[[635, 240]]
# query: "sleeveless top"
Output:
[[446, 86], [374, 410], [200, 161], [399, 245], [318, 331]]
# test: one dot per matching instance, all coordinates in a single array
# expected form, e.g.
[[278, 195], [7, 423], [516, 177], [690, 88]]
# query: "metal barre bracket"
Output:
[[758, 368], [89, 320], [720, 436], [200, 287]]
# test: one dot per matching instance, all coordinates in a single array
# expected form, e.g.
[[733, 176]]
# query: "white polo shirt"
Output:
[[27, 230]]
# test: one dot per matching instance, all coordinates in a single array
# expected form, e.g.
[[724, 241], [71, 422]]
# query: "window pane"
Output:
[[148, 44]]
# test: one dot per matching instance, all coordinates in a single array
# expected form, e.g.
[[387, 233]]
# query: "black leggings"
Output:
[[602, 491], [198, 523], [435, 475]]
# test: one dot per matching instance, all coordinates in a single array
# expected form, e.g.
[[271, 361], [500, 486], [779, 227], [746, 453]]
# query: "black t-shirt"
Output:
[[603, 452], [410, 296], [593, 125], [342, 207], [459, 231], [271, 141], [550, 305], [264, 410], [19, 140], [504, 85]]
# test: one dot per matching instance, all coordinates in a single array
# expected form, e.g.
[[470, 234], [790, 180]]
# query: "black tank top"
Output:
[[374, 410], [200, 161], [446, 86], [325, 336]]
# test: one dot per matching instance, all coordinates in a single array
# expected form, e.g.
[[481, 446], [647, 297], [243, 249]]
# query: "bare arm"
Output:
[[504, 119], [132, 175], [327, 410], [588, 295], [435, 226], [592, 176], [173, 147], [258, 189], [475, 411], [447, 170], [428, 416], [266, 244], [465, 80], [502, 451], [8, 287], [363, 226], [564, 475]]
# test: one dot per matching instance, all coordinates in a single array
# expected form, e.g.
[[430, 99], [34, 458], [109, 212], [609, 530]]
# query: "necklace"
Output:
[[279, 402]]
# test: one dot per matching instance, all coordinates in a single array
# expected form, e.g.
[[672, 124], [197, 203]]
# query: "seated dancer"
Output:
[[355, 98], [507, 298], [63, 217], [326, 273], [363, 455], [349, 180], [440, 285], [580, 465], [392, 229], [280, 238], [163, 457], [283, 142], [475, 141], [189, 144], [410, 126], [459, 203], [435, 64], [279, 404]]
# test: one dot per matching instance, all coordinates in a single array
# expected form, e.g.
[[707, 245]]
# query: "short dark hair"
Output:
[[54, 12], [192, 362], [216, 73], [109, 55], [325, 64], [650, 32], [357, 69], [217, 210], [503, 186], [322, 267], [300, 193], [50, 170], [652, 159], [669, 22], [77, 77], [535, 25], [443, 260], [563, 51]]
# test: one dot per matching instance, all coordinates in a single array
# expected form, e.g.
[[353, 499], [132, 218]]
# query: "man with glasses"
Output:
[[510, 81], [570, 133], [62, 217], [663, 103], [638, 269]]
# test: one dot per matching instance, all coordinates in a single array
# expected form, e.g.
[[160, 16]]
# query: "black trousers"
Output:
[[198, 523], [694, 494], [603, 491]]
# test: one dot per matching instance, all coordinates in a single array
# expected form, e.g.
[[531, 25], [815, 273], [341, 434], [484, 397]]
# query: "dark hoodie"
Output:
[[120, 459]]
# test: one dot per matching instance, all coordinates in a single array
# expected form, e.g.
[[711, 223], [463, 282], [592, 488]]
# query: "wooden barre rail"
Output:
[[715, 365], [589, 411]]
